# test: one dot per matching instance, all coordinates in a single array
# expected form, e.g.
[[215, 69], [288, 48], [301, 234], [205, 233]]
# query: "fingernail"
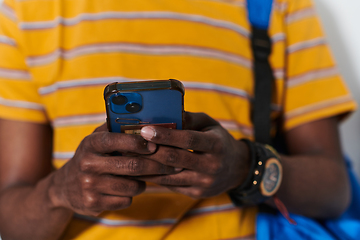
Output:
[[148, 133], [178, 169], [151, 147]]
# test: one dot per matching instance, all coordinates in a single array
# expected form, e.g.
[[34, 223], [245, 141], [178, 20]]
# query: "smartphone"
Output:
[[133, 105]]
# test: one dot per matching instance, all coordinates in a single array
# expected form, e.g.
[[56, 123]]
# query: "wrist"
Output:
[[263, 178], [245, 165], [55, 194]]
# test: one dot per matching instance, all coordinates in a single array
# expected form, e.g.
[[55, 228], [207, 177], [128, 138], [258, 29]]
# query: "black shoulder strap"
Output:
[[259, 14], [264, 78]]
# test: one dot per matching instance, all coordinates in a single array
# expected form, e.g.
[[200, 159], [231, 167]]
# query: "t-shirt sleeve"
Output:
[[314, 87], [19, 98]]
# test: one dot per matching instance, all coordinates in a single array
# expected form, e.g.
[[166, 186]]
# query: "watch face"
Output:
[[272, 177]]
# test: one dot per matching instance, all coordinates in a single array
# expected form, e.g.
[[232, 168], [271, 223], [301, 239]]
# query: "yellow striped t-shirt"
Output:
[[56, 56]]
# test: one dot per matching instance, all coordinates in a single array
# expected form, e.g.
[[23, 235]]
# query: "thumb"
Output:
[[102, 128], [198, 121]]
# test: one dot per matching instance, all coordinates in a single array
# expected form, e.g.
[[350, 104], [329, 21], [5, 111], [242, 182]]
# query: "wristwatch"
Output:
[[264, 178]]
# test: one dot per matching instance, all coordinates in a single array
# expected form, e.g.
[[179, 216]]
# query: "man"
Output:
[[56, 58]]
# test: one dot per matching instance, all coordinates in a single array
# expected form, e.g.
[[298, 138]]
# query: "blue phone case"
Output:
[[132, 105]]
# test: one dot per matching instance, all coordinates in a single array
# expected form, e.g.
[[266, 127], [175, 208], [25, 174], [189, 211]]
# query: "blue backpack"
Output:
[[270, 226]]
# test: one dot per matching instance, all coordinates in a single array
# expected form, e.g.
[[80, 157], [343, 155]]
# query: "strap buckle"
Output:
[[261, 44]]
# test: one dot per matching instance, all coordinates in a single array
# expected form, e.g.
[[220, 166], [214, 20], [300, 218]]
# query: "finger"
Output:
[[198, 121], [181, 158], [185, 139], [184, 179], [119, 186], [113, 203], [94, 204], [194, 192], [108, 142], [125, 165]]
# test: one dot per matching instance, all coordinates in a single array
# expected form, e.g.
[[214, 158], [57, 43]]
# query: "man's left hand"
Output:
[[213, 162]]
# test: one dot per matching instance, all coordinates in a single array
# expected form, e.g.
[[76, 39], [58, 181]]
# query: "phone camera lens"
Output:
[[119, 100], [133, 107]]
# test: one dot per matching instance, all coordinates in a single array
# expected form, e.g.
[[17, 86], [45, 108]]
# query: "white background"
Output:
[[341, 20]]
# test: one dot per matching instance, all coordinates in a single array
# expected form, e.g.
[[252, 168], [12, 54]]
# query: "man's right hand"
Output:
[[94, 181]]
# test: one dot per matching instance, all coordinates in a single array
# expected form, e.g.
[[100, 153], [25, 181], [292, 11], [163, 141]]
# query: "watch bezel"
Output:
[[263, 190]]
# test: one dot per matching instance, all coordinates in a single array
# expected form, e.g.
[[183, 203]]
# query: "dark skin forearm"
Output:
[[24, 200], [323, 193], [40, 219], [315, 180]]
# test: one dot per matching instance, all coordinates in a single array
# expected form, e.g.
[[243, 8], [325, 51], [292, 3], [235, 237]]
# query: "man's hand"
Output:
[[94, 181], [213, 162]]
